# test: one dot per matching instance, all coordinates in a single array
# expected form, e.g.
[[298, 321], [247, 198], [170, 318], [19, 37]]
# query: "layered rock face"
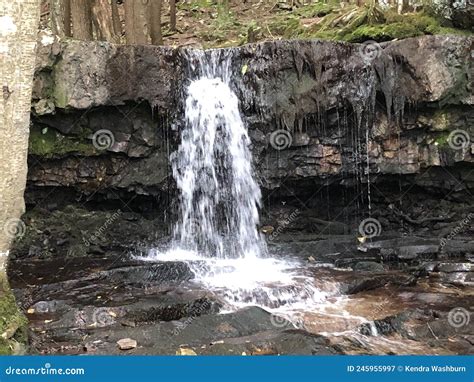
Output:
[[319, 113]]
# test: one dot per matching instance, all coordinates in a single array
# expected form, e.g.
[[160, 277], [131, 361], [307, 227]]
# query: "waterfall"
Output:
[[219, 197], [217, 229]]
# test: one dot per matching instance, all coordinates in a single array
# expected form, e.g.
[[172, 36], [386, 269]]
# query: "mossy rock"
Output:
[[49, 143], [13, 324]]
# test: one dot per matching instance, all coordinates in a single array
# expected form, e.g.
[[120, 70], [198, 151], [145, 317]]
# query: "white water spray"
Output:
[[217, 231], [219, 197]]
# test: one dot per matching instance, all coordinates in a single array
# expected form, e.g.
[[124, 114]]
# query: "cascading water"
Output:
[[217, 231], [219, 196]]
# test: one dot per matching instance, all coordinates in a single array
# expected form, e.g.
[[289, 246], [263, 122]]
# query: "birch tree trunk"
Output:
[[19, 21]]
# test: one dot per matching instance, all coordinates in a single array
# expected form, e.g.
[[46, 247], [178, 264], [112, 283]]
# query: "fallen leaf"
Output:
[[126, 344], [185, 351], [30, 311]]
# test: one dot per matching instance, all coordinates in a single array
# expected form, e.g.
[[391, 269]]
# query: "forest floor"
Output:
[[207, 25]]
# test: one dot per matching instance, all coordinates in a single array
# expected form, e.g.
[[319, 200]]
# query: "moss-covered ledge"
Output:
[[13, 324]]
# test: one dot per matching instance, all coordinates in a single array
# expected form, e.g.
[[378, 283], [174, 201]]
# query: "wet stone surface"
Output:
[[373, 304]]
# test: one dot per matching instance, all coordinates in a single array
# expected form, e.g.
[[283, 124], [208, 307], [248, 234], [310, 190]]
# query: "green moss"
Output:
[[318, 9], [442, 140], [49, 143], [383, 32], [393, 27], [13, 324], [287, 27]]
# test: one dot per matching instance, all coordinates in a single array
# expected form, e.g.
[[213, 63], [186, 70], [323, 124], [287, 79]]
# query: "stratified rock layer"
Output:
[[353, 113]]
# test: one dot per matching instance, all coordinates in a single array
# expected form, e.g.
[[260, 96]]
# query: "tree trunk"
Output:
[[18, 42], [136, 24], [173, 15], [60, 11], [155, 23], [116, 20], [102, 11], [81, 19]]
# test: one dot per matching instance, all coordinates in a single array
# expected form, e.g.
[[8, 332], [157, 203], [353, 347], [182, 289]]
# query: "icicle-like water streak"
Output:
[[219, 197]]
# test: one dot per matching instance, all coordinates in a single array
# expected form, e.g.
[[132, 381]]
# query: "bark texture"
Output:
[[81, 19], [18, 30], [156, 34], [102, 11], [136, 22]]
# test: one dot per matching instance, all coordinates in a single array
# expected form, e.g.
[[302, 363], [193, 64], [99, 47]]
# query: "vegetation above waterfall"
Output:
[[223, 23]]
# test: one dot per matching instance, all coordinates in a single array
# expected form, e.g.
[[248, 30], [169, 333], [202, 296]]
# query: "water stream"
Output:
[[217, 231]]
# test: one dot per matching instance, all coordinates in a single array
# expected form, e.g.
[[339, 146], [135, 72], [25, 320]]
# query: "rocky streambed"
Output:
[[391, 295]]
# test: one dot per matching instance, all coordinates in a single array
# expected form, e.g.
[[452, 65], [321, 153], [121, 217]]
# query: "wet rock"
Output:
[[169, 272], [415, 251], [362, 284], [458, 278], [294, 342], [288, 87], [368, 266], [454, 267]]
